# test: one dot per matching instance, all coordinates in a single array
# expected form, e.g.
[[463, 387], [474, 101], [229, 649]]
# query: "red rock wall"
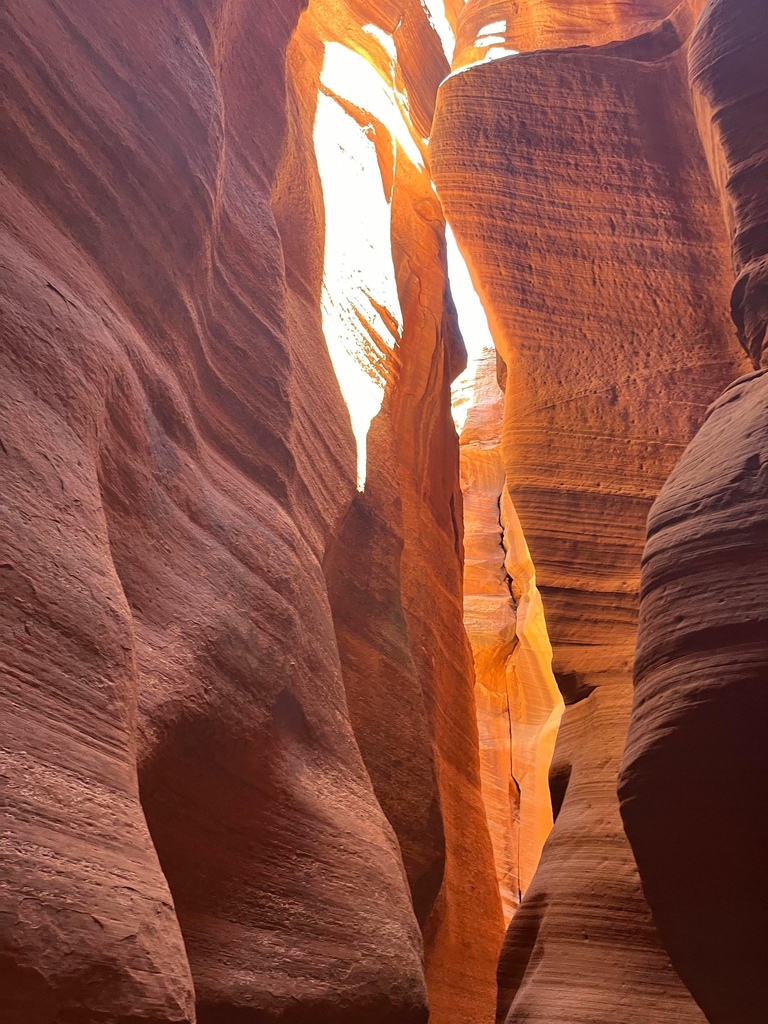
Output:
[[695, 772], [695, 768], [195, 834], [579, 192]]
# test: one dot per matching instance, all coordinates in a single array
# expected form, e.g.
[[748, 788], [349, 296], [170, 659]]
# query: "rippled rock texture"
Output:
[[579, 191], [695, 773], [240, 746], [390, 327], [695, 746], [196, 831]]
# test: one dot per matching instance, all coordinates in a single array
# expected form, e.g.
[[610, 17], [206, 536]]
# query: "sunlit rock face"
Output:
[[696, 752], [488, 28], [518, 703], [395, 347], [197, 764], [579, 192]]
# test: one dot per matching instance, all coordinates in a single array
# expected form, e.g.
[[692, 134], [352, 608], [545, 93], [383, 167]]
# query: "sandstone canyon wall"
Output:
[[694, 784], [245, 775], [518, 703], [400, 540], [524, 27], [192, 832], [579, 191]]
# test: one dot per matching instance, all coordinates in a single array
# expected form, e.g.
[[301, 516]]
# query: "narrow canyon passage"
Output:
[[384, 446]]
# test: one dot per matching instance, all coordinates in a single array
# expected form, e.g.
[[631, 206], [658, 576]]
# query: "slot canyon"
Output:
[[384, 559]]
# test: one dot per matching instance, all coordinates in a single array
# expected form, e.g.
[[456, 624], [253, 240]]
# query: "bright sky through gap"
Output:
[[359, 275], [474, 328], [358, 258]]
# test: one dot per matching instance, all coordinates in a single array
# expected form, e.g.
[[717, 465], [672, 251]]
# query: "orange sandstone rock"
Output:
[[695, 773], [392, 332], [579, 193], [518, 703]]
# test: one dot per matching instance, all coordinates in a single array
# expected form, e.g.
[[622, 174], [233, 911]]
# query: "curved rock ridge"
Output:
[[518, 703], [489, 28], [728, 71], [579, 193], [194, 833], [696, 751]]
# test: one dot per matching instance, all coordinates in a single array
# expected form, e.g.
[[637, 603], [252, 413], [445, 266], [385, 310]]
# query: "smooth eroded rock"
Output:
[[695, 770], [580, 195]]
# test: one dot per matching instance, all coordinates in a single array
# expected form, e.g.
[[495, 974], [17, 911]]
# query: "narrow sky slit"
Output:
[[474, 327], [358, 272]]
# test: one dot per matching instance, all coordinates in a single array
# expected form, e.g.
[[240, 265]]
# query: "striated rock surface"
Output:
[[579, 192], [241, 779], [695, 770], [518, 703], [192, 830], [729, 76], [490, 27]]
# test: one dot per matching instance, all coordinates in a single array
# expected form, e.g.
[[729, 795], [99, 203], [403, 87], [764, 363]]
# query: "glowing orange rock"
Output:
[[518, 703], [486, 28]]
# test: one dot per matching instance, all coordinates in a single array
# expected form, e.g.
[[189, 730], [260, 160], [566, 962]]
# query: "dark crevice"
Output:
[[559, 778], [573, 687]]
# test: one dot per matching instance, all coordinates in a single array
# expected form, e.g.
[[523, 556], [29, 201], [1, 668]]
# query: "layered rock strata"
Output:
[[489, 27], [192, 832], [695, 771], [579, 192], [518, 703]]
